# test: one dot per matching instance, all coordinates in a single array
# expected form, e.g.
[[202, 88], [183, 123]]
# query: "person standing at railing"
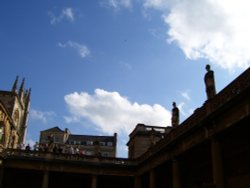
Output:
[[27, 148]]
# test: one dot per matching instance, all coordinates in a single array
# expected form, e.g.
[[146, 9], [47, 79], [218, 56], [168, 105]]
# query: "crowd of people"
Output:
[[52, 147]]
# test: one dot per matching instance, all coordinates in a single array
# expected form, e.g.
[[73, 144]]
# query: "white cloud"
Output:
[[69, 119], [185, 94], [41, 116], [66, 13], [81, 49], [214, 30], [157, 4], [117, 4], [110, 112]]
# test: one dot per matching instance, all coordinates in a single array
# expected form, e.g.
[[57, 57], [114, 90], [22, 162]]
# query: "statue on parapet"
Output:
[[210, 83], [175, 115]]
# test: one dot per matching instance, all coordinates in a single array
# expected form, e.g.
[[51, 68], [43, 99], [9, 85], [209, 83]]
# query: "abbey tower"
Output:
[[14, 115]]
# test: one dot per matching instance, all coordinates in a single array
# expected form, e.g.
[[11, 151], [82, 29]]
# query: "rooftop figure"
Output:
[[175, 115], [210, 83]]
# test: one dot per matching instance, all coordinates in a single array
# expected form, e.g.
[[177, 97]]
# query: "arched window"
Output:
[[1, 133], [16, 116]]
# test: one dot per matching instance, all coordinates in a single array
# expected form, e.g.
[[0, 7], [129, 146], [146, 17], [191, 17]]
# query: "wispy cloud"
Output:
[[181, 108], [71, 119], [157, 4], [185, 94], [214, 30], [125, 65], [185, 105], [41, 115], [110, 112], [157, 33], [185, 109], [81, 49], [116, 4], [66, 13]]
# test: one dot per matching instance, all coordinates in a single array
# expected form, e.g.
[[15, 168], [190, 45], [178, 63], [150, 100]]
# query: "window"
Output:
[[89, 153], [78, 142], [102, 143], [44, 139], [90, 143], [105, 154], [16, 116], [110, 144], [1, 133], [56, 139]]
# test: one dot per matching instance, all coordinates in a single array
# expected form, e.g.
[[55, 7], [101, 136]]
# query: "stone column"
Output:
[[176, 174], [45, 183], [218, 177], [152, 179], [94, 181], [137, 183]]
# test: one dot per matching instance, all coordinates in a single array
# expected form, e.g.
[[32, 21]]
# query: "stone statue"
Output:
[[209, 82], [175, 115]]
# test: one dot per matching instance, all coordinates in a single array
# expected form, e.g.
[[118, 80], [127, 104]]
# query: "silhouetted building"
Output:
[[210, 149]]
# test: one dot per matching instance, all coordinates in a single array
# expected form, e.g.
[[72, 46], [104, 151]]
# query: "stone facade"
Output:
[[143, 137], [6, 124], [14, 109], [57, 135], [88, 145]]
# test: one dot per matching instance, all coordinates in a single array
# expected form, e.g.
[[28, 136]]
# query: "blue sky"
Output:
[[99, 67]]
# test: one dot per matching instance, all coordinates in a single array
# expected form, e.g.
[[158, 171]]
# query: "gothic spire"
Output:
[[28, 96], [21, 89], [14, 87]]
